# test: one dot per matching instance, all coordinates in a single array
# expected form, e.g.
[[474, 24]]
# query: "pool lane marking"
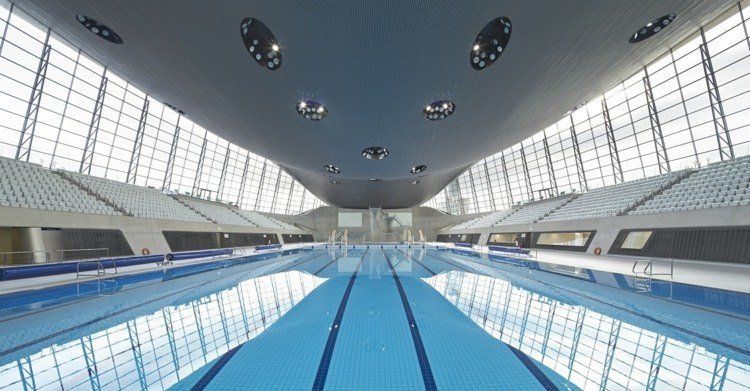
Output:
[[329, 264], [420, 263], [208, 376], [297, 263], [325, 360], [534, 369], [424, 362], [119, 312]]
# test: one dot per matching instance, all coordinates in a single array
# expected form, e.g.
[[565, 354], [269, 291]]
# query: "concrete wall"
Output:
[[323, 220], [608, 228], [140, 233]]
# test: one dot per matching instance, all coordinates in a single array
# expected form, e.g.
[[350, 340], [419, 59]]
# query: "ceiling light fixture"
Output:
[[331, 168], [312, 110], [414, 182], [418, 169], [335, 182], [99, 29], [376, 179], [652, 28], [173, 107], [260, 43], [490, 43], [439, 110], [375, 153]]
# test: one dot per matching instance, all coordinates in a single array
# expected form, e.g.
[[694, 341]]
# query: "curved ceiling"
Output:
[[375, 65]]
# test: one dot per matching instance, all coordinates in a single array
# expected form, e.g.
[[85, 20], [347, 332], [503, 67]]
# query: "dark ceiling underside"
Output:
[[375, 65]]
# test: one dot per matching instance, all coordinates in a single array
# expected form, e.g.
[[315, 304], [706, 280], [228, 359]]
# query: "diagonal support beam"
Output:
[[87, 158], [26, 373], [723, 139], [223, 175], [508, 192], [577, 154], [87, 345], [135, 347], [23, 150], [550, 167], [135, 156], [653, 115], [526, 175], [172, 154], [614, 335], [660, 346], [614, 154]]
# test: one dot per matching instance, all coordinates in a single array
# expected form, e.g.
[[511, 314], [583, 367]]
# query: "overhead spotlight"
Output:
[[439, 110], [418, 169], [375, 153], [490, 43], [652, 28], [335, 182], [312, 110], [260, 43], [332, 169], [414, 182], [99, 29]]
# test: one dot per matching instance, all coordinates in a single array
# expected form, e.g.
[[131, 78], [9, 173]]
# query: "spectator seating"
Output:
[[532, 212]]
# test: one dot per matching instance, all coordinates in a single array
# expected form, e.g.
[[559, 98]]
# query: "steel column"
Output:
[[723, 139], [172, 154], [243, 181], [135, 156], [576, 339], [550, 167], [135, 347], [199, 326], [26, 373], [167, 314], [653, 115], [223, 176], [473, 191], [7, 23], [614, 155], [577, 154], [23, 150], [489, 185], [721, 366], [660, 346], [87, 158], [508, 191], [260, 192], [87, 345], [526, 175], [611, 347], [199, 169], [548, 328]]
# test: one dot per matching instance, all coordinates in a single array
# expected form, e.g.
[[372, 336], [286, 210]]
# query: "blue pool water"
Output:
[[372, 318]]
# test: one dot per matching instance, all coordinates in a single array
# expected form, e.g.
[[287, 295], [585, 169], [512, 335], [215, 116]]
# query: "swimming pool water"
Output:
[[369, 318]]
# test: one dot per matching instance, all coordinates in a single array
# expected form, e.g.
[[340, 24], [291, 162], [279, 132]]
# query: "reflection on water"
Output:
[[592, 350], [157, 350]]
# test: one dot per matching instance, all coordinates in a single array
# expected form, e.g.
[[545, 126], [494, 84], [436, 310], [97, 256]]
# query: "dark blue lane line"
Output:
[[297, 263], [534, 369], [420, 263], [208, 376], [328, 264], [450, 263], [325, 360], [424, 363]]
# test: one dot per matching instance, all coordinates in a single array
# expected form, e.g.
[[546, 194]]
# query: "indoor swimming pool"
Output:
[[374, 318]]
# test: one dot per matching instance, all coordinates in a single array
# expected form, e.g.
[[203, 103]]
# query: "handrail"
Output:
[[32, 252], [648, 270]]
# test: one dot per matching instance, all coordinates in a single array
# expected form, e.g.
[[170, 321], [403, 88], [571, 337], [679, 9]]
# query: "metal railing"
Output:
[[100, 270], [15, 254], [95, 253], [643, 274]]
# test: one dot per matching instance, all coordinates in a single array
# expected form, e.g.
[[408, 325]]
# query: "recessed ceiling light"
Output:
[[375, 153], [335, 182], [260, 43], [418, 169], [376, 179], [99, 29], [490, 43], [331, 168], [414, 182], [439, 110], [312, 110], [652, 28], [173, 107]]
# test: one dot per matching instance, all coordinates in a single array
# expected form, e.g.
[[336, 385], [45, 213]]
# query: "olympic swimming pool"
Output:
[[374, 317]]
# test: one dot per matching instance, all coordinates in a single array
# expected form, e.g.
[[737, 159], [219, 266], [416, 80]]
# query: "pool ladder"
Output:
[[643, 275]]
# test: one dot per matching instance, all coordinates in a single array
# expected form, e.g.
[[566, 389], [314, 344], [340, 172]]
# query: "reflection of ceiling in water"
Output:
[[155, 351], [592, 350]]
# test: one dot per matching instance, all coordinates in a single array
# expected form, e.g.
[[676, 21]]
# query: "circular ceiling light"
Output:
[[652, 28], [375, 153], [439, 110], [312, 110], [490, 43], [331, 168], [99, 29], [376, 179], [261, 43], [418, 169]]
